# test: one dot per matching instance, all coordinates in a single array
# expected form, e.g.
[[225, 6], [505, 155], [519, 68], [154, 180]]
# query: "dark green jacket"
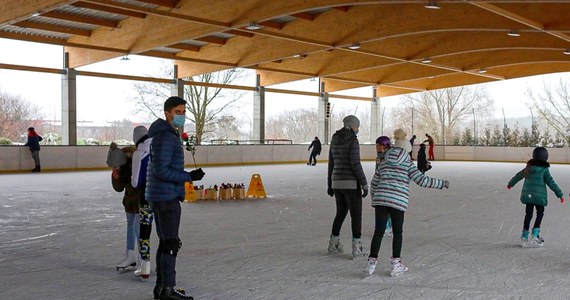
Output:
[[535, 182]]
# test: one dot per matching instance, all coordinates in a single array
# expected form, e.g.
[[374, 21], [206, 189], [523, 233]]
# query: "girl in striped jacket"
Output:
[[390, 191]]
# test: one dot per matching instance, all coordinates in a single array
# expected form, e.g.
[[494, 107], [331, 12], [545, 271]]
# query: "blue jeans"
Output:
[[132, 230], [167, 220]]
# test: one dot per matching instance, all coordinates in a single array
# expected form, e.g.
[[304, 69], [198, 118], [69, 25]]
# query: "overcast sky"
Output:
[[105, 100]]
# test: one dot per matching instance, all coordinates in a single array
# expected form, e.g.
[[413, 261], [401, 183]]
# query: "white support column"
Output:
[[259, 111], [324, 121], [177, 87], [374, 116], [68, 104]]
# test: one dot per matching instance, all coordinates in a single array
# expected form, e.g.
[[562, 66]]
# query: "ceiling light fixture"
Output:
[[513, 33], [300, 56], [253, 26], [567, 52], [482, 71], [432, 5], [426, 60], [36, 14], [125, 57], [354, 46]]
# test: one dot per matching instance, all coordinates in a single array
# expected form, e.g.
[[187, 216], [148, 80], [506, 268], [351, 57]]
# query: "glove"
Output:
[[197, 174], [330, 191], [364, 191], [446, 184], [561, 199], [509, 187]]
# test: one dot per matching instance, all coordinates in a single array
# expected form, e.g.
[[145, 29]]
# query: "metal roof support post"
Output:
[[68, 104], [259, 111], [177, 87], [374, 114], [323, 114]]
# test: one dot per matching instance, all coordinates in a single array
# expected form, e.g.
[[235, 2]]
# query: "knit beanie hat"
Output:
[[138, 133], [351, 121], [540, 153], [400, 134]]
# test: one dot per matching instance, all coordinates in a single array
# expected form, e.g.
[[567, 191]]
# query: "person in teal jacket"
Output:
[[536, 176]]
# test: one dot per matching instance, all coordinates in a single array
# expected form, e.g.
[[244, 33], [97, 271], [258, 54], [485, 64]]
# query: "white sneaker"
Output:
[[129, 261], [398, 268], [371, 266], [334, 245], [143, 270], [358, 248]]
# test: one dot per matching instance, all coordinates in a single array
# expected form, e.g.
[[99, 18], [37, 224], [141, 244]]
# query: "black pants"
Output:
[[348, 200], [528, 216], [313, 157], [167, 218], [382, 213]]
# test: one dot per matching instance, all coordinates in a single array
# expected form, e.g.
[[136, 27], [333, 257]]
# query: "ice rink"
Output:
[[61, 235]]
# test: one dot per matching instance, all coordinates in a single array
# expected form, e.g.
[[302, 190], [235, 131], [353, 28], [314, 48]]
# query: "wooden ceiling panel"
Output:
[[391, 38]]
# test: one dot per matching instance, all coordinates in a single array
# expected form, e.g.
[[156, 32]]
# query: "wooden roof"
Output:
[[398, 46]]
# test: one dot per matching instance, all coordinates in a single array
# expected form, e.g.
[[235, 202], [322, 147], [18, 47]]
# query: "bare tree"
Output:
[[299, 125], [442, 112], [553, 106], [206, 104], [16, 114]]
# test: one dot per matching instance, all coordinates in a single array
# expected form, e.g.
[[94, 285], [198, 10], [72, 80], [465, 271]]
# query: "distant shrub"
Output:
[[5, 141]]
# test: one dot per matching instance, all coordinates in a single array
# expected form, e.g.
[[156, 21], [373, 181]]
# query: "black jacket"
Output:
[[345, 170], [316, 145]]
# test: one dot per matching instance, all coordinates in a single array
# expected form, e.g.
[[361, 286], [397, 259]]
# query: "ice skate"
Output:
[[371, 266], [129, 261], [171, 293], [143, 269], [335, 246], [358, 248], [536, 240], [524, 238], [398, 268], [157, 289]]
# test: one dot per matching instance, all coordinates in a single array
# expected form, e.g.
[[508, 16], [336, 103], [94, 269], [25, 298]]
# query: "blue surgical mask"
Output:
[[178, 120]]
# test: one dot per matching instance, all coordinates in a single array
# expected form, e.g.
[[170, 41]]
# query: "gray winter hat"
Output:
[[138, 133], [351, 121]]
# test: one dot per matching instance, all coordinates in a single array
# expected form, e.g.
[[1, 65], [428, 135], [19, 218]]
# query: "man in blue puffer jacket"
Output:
[[165, 191]]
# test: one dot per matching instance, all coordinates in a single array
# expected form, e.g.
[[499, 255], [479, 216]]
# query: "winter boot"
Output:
[[398, 267], [371, 266], [334, 245], [129, 261], [143, 269], [171, 293], [358, 248], [536, 240]]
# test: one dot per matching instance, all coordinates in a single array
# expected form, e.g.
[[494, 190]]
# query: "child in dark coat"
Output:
[[422, 161]]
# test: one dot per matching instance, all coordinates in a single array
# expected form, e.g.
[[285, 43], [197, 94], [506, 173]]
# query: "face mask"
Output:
[[178, 120]]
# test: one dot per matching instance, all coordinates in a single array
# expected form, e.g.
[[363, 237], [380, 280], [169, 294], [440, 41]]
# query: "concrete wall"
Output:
[[18, 158]]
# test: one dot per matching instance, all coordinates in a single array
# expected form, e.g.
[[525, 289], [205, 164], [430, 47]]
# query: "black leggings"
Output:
[[348, 200], [382, 213], [528, 216]]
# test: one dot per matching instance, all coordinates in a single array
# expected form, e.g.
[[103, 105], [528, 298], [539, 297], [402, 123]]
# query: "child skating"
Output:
[[390, 193], [536, 177], [383, 144]]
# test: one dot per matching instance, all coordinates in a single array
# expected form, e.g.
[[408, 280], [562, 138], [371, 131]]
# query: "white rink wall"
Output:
[[18, 158]]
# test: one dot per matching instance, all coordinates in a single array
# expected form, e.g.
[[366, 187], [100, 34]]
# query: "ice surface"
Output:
[[61, 235]]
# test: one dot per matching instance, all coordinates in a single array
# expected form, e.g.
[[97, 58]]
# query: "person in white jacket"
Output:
[[141, 157]]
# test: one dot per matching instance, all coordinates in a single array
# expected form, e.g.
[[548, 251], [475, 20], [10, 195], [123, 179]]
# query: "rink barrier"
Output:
[[87, 158]]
